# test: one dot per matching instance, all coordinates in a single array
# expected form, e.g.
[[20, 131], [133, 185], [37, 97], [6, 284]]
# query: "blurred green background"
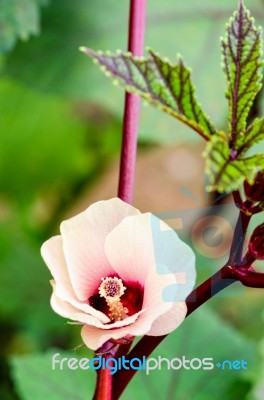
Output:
[[60, 136]]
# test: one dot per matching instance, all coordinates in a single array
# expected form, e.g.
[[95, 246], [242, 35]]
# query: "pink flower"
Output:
[[111, 273]]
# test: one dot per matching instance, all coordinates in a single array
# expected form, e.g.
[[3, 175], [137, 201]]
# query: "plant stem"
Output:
[[104, 389], [249, 277], [147, 344], [213, 285], [237, 198], [137, 22], [219, 281], [239, 238]]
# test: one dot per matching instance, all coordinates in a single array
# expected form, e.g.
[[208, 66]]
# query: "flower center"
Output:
[[112, 289], [117, 299]]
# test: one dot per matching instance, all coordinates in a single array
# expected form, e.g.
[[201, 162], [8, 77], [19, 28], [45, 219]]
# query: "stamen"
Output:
[[112, 289]]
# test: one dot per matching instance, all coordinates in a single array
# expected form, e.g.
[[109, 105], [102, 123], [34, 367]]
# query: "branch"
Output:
[[239, 238], [132, 105], [219, 281], [104, 381], [147, 344], [137, 21], [249, 277]]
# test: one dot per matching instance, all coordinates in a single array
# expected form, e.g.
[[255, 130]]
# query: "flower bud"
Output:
[[255, 192], [256, 243]]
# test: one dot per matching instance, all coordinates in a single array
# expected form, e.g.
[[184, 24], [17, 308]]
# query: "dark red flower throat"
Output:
[[130, 300]]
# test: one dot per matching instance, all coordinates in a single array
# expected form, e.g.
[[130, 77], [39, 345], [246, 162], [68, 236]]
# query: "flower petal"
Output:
[[79, 306], [173, 256], [94, 337], [153, 290], [129, 248], [66, 310], [52, 253], [83, 243], [169, 321], [144, 243]]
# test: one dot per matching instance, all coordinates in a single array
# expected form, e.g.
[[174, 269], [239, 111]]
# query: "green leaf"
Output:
[[35, 379], [197, 337], [225, 173], [257, 391], [242, 51], [253, 135], [191, 28], [18, 19], [166, 86]]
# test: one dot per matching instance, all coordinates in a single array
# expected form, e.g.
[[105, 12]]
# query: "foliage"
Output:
[[242, 50], [170, 88], [227, 174], [19, 19], [33, 372], [40, 63], [55, 142], [189, 341]]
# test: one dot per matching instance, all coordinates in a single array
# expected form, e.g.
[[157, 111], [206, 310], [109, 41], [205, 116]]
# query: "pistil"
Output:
[[112, 289]]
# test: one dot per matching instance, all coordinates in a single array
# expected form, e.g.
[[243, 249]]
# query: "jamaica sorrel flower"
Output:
[[120, 273]]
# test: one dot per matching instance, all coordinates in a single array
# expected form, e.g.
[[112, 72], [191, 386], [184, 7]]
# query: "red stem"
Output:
[[249, 277], [236, 250], [219, 281], [237, 198], [222, 279], [147, 344], [104, 389], [137, 22]]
